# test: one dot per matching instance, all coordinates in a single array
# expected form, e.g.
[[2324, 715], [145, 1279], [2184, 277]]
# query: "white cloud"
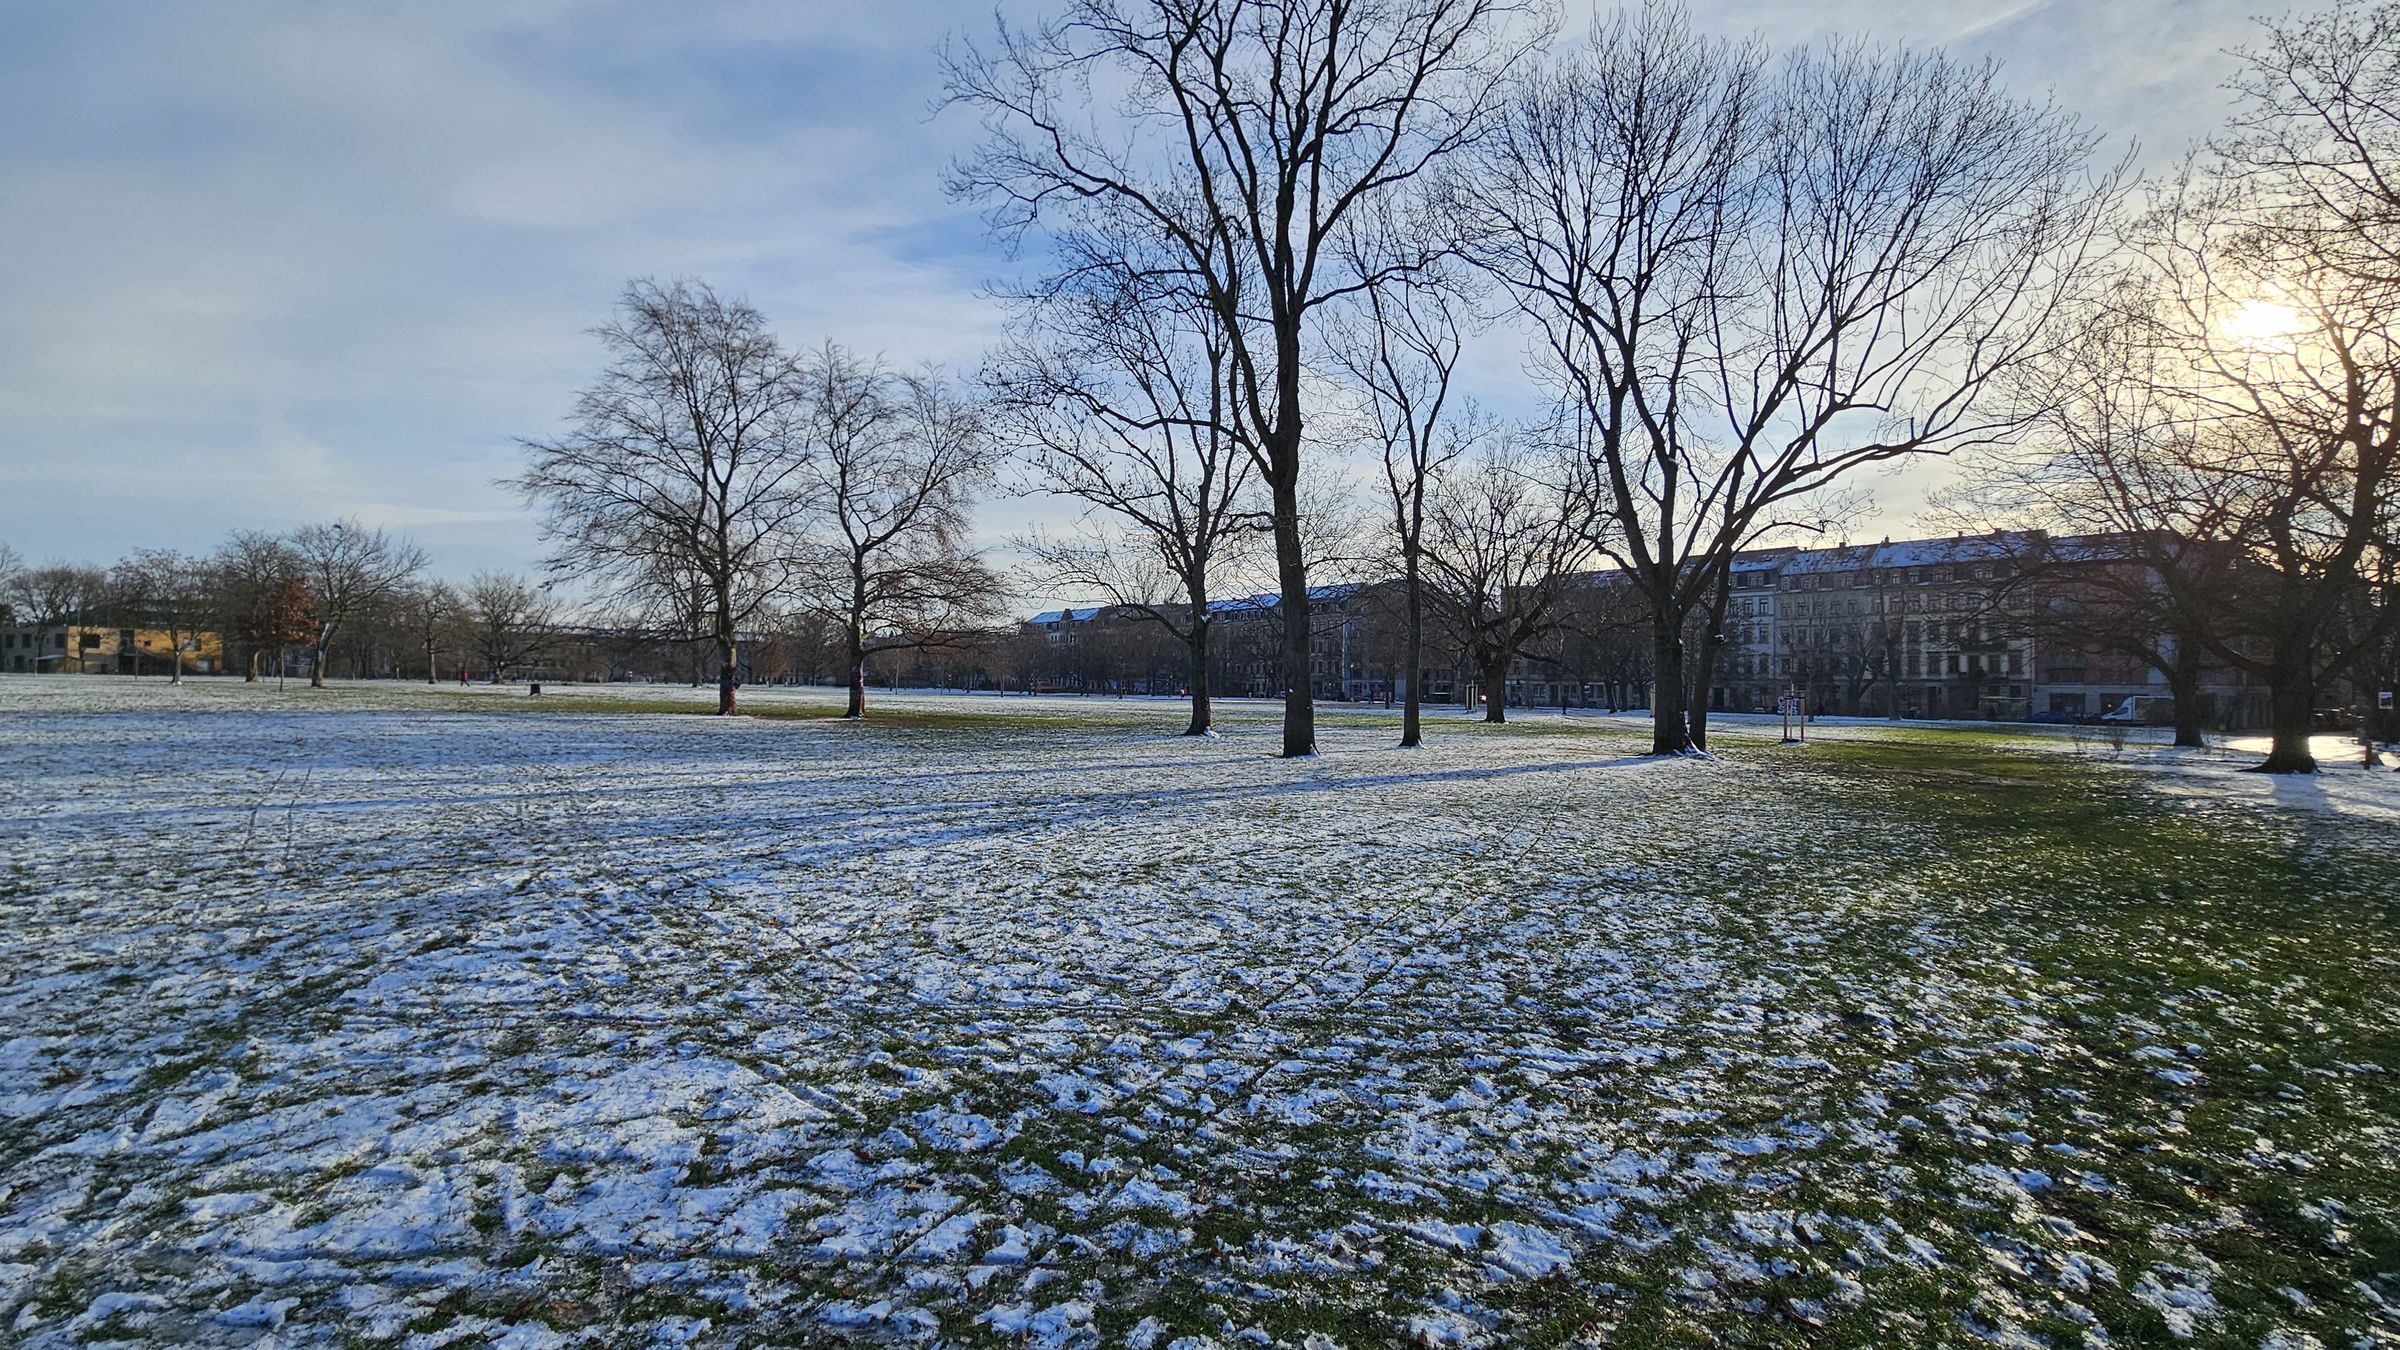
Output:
[[270, 260]]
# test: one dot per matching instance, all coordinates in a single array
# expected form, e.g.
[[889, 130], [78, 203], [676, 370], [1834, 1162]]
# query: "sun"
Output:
[[2263, 323]]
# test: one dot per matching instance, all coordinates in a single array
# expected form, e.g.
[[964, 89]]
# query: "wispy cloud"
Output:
[[271, 260]]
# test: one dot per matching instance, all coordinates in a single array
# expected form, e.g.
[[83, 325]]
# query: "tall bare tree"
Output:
[[349, 569], [1751, 279], [507, 621], [1242, 133], [897, 461], [53, 597], [1112, 393], [1498, 550], [685, 466], [2229, 415], [256, 578], [2282, 424], [431, 612], [1400, 351], [164, 589]]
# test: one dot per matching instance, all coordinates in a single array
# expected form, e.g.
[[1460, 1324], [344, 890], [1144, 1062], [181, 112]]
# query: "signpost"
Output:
[[1795, 716]]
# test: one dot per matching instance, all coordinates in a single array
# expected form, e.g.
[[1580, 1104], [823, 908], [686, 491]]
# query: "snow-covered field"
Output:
[[426, 1016]]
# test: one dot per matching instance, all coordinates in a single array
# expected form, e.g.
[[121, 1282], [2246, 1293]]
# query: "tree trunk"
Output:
[[2292, 698], [1412, 703], [1495, 690], [178, 679], [1669, 733], [857, 707], [250, 675], [726, 656], [316, 665], [1291, 573], [1197, 644], [431, 672], [2183, 684], [1704, 677], [1891, 678]]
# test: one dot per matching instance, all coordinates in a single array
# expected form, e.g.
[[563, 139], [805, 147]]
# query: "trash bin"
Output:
[[534, 689]]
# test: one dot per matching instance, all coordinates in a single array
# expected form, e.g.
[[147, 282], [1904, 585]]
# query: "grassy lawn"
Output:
[[419, 1018]]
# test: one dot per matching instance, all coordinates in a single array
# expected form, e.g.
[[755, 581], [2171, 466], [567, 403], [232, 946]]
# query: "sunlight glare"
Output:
[[2262, 322]]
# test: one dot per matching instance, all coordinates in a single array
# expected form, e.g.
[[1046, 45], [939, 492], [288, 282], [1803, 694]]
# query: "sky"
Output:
[[265, 262]]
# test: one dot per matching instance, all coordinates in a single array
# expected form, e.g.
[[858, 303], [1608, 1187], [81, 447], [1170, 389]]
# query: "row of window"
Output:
[[1865, 577]]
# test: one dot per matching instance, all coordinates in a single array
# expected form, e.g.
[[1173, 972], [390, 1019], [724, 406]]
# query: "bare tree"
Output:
[[507, 621], [2229, 416], [2118, 545], [2315, 138], [1750, 280], [1499, 546], [431, 612], [256, 577], [684, 470], [53, 599], [2283, 419], [898, 458], [349, 569], [1243, 135], [1112, 392], [164, 589], [1400, 352]]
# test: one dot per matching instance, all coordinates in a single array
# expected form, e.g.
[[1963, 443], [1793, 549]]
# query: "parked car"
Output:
[[2053, 718]]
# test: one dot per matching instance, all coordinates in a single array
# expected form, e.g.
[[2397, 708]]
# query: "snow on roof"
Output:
[[1273, 599], [1264, 600], [1913, 552]]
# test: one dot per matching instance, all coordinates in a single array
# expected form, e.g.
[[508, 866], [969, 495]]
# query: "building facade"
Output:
[[1953, 629], [98, 649]]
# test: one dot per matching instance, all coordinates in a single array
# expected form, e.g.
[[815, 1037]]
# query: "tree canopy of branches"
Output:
[[1111, 392], [262, 596], [348, 569], [1400, 353], [683, 476], [2315, 139], [507, 621], [54, 595], [1242, 134], [2228, 418], [430, 614], [897, 460], [164, 589], [1498, 548], [1750, 278]]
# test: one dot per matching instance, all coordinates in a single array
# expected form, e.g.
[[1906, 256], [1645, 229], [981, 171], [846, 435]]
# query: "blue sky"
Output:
[[263, 263]]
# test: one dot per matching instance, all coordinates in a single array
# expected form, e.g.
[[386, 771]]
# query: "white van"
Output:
[[2144, 709]]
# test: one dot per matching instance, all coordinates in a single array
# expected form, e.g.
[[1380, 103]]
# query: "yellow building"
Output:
[[93, 650]]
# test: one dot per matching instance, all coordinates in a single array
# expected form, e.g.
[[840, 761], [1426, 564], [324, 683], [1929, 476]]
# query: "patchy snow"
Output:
[[426, 1016]]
